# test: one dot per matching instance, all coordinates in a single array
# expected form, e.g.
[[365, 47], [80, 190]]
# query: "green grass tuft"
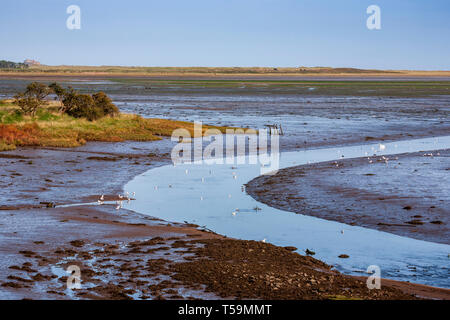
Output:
[[10, 117]]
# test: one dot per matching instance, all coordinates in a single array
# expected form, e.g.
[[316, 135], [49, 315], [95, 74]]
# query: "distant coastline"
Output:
[[41, 70]]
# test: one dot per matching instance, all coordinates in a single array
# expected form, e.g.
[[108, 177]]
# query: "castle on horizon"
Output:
[[30, 62]]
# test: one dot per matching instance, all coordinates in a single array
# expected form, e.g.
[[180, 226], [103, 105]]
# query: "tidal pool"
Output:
[[212, 196]]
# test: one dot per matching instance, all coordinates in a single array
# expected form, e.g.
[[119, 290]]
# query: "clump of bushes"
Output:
[[73, 103], [105, 104], [83, 106]]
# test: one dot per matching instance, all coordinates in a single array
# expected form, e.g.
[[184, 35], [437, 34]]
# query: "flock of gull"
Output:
[[127, 197], [119, 203]]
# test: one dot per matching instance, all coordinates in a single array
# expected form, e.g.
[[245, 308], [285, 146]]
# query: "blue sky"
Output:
[[280, 33]]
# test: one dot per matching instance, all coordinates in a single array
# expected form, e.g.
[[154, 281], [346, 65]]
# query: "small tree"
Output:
[[70, 99], [33, 97], [28, 105], [38, 90], [60, 93]]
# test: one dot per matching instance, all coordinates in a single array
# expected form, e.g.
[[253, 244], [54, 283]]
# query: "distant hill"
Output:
[[12, 65], [214, 72], [36, 67]]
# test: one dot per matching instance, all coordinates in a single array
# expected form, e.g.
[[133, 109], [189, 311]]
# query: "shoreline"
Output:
[[170, 227]]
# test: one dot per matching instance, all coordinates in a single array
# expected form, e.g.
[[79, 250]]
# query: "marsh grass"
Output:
[[379, 88], [51, 129], [195, 70]]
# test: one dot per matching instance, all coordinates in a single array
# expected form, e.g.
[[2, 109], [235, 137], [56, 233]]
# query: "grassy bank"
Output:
[[52, 129]]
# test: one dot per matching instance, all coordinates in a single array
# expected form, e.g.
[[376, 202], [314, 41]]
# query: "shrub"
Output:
[[90, 107], [28, 105], [37, 90], [69, 99], [33, 97], [83, 106], [60, 93], [105, 103]]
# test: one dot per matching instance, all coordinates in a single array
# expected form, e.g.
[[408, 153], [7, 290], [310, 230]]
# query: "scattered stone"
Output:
[[48, 204], [12, 285], [101, 158], [41, 277], [27, 252], [77, 243], [415, 222], [19, 279]]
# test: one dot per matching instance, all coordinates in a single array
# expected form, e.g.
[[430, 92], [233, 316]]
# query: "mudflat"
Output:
[[124, 255]]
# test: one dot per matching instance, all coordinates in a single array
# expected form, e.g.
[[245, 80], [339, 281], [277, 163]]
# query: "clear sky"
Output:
[[415, 34]]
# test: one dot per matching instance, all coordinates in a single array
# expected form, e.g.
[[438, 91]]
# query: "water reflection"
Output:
[[177, 193]]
